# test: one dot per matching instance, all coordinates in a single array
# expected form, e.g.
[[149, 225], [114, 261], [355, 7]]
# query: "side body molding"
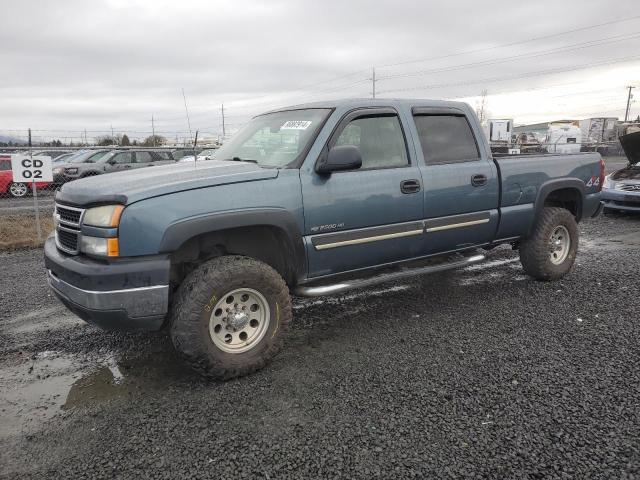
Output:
[[179, 232]]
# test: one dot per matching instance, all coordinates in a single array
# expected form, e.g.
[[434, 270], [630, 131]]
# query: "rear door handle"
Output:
[[478, 180], [410, 186]]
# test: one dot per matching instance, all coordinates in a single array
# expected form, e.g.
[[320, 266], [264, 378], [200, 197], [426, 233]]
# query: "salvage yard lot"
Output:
[[482, 372]]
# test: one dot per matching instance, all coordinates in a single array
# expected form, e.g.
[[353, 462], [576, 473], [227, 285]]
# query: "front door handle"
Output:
[[478, 180], [410, 186]]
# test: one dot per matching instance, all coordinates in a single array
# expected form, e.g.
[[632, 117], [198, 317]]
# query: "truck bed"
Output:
[[522, 177]]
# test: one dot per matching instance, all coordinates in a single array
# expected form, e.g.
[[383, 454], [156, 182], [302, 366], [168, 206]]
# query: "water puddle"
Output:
[[36, 387], [628, 240]]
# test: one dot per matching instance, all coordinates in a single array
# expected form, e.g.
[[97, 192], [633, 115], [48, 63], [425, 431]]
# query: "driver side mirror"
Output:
[[343, 157]]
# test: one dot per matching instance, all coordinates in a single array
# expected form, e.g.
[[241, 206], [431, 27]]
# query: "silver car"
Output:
[[621, 189]]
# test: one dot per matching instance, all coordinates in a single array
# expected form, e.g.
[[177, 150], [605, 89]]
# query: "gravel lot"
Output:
[[480, 373]]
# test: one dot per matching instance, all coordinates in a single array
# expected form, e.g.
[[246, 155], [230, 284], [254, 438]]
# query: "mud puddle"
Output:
[[37, 387]]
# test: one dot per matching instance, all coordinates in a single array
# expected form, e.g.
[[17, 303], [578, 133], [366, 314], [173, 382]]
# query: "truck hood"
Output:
[[631, 146], [133, 185]]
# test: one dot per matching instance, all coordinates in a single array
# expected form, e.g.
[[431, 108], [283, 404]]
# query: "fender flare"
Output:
[[181, 231], [551, 186]]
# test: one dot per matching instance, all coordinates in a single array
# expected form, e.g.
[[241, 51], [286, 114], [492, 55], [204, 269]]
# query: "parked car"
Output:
[[202, 156], [85, 156], [114, 161], [63, 158], [179, 153], [51, 153], [8, 186], [313, 200], [621, 189]]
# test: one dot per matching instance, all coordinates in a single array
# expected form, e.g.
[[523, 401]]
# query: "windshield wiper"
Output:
[[238, 159]]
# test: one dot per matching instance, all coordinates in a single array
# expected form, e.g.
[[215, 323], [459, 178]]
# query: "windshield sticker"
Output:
[[296, 125]]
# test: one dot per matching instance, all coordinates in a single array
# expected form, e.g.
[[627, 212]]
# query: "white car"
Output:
[[203, 155]]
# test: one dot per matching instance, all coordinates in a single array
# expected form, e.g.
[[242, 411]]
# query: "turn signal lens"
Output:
[[113, 248]]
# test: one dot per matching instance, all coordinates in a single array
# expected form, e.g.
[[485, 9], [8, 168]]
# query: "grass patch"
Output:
[[20, 231]]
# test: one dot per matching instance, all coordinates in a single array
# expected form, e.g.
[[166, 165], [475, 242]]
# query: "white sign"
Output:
[[514, 151], [26, 169], [296, 125]]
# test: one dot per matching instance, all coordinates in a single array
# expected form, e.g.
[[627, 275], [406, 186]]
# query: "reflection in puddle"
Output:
[[35, 388]]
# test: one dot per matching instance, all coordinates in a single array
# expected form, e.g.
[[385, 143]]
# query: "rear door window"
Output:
[[143, 157], [124, 157], [446, 139]]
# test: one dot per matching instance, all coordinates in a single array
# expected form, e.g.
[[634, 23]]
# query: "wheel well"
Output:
[[567, 198], [268, 244]]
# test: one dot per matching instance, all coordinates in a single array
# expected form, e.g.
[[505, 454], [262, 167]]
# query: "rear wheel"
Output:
[[18, 189], [230, 316], [550, 250]]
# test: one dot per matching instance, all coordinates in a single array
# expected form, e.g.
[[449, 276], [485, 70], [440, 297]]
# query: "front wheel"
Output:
[[230, 316], [18, 189], [550, 251]]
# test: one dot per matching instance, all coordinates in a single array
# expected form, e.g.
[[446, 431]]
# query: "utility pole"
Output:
[[223, 126], [153, 131], [187, 110], [629, 97], [113, 138], [86, 142], [373, 81]]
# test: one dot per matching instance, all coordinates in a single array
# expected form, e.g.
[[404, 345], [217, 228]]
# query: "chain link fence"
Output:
[[26, 208], [26, 213]]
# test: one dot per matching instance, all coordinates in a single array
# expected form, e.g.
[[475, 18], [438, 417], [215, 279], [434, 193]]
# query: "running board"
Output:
[[318, 290]]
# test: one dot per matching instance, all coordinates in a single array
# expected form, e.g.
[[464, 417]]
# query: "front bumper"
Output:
[[124, 294], [619, 200]]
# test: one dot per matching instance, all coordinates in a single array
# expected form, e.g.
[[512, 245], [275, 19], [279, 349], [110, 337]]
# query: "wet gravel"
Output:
[[481, 373]]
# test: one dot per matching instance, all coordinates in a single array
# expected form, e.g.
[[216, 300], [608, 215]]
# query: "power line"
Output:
[[568, 48], [505, 45], [516, 77]]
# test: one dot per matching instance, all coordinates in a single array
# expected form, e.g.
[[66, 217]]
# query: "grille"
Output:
[[69, 215], [629, 187], [67, 240], [68, 231]]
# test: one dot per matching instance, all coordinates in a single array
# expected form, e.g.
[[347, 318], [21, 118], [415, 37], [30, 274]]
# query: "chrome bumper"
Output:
[[134, 302]]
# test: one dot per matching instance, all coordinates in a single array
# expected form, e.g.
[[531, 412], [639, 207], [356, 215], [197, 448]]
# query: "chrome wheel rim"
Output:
[[559, 245], [18, 189], [239, 320]]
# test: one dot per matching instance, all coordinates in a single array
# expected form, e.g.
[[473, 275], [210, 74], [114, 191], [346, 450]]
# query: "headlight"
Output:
[[57, 170], [105, 216], [104, 247], [71, 170], [608, 183]]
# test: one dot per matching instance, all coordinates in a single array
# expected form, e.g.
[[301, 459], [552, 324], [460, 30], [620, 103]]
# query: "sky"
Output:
[[74, 65]]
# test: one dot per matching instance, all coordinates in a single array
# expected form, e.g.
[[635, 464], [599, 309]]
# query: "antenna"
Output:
[[187, 110], [153, 131], [629, 97], [373, 81], [223, 127]]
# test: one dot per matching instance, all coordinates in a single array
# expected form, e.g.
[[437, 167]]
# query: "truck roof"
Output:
[[375, 102]]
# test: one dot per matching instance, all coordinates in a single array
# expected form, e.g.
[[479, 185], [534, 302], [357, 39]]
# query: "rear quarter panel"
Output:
[[523, 176]]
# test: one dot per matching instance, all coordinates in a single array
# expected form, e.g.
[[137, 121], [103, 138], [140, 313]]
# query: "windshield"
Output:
[[275, 139], [95, 157]]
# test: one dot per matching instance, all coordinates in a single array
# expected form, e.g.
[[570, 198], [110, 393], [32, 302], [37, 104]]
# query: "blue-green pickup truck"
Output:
[[310, 200]]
